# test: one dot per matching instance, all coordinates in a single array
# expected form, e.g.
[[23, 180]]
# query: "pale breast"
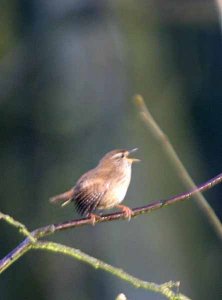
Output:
[[116, 191]]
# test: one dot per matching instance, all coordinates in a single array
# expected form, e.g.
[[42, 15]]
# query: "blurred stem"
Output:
[[219, 6], [179, 167], [164, 289]]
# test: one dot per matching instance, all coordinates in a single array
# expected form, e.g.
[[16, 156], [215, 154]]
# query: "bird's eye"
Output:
[[119, 155]]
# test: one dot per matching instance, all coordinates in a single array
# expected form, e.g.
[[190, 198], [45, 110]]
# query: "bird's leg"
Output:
[[126, 210], [94, 218]]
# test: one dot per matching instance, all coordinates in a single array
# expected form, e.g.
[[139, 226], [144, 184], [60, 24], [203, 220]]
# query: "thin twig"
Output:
[[165, 289], [136, 211], [22, 228], [50, 229], [179, 167], [15, 254]]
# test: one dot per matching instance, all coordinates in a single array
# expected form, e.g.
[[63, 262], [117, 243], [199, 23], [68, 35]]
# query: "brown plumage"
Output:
[[103, 187]]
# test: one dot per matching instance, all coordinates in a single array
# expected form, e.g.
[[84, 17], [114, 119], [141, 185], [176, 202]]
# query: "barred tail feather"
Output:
[[64, 198]]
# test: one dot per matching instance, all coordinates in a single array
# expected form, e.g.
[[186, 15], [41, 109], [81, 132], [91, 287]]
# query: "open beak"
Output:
[[130, 158]]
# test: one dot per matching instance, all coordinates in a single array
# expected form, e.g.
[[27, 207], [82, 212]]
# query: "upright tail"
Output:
[[64, 198]]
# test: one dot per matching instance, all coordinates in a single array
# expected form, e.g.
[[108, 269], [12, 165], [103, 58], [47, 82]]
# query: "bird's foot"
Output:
[[126, 210], [94, 218]]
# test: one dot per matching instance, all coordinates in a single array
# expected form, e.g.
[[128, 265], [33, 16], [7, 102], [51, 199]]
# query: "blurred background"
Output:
[[68, 71]]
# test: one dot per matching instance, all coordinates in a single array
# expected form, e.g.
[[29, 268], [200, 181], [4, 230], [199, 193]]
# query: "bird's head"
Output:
[[119, 157]]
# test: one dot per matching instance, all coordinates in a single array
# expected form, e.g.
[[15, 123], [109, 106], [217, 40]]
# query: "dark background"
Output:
[[68, 71]]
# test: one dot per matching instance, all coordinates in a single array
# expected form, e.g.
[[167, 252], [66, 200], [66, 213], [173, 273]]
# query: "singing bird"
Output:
[[103, 187]]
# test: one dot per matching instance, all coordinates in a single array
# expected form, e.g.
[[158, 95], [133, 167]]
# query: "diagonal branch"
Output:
[[164, 289], [136, 211], [50, 229], [179, 167], [22, 228]]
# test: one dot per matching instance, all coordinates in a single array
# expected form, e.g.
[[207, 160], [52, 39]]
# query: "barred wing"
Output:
[[87, 199]]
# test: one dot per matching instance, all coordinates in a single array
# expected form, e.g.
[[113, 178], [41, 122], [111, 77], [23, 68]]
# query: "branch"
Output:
[[50, 229], [179, 167], [136, 211], [31, 242], [164, 289], [22, 228]]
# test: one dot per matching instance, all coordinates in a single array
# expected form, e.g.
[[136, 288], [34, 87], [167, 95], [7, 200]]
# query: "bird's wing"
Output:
[[87, 197]]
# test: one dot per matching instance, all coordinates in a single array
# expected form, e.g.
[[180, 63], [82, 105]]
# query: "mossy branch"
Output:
[[22, 228], [164, 289]]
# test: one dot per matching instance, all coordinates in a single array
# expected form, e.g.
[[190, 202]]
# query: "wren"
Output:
[[103, 187]]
